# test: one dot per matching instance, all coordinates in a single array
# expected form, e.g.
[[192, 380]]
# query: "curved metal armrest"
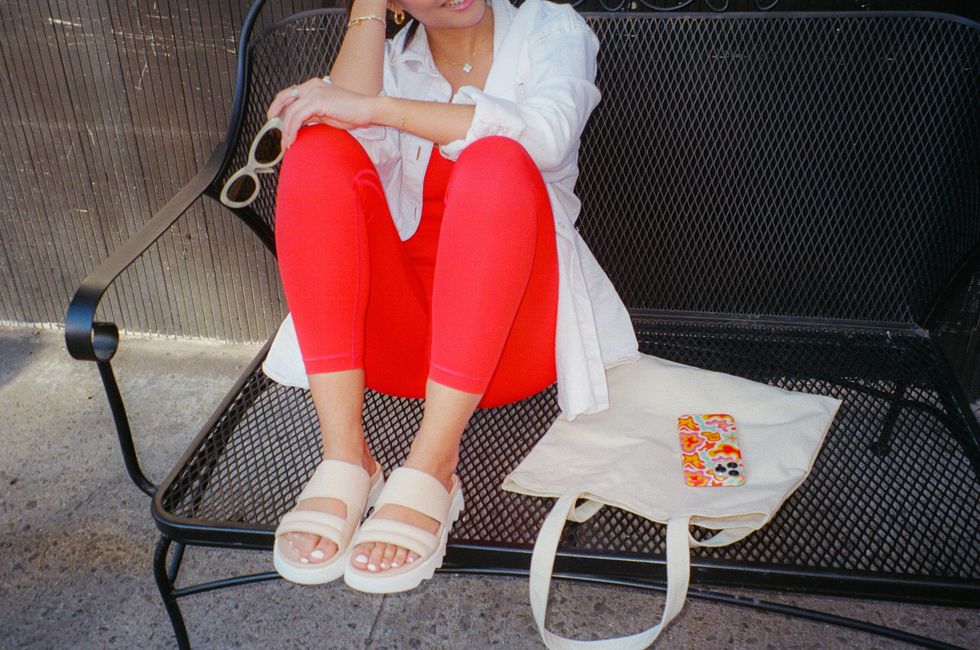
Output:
[[91, 341]]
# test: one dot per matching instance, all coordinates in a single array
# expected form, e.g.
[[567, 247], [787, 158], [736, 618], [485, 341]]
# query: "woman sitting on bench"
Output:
[[415, 232]]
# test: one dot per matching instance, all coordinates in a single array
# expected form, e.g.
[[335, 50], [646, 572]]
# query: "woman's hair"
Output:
[[391, 29]]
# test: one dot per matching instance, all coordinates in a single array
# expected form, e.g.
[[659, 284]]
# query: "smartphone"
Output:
[[710, 455]]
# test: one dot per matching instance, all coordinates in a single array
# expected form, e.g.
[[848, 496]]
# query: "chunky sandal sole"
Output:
[[409, 575], [328, 570]]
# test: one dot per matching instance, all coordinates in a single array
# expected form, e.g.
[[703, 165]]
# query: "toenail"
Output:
[[411, 559], [384, 565], [371, 567], [318, 554], [304, 560], [394, 564], [361, 558]]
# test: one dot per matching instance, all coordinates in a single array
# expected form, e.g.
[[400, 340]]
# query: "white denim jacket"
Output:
[[540, 91]]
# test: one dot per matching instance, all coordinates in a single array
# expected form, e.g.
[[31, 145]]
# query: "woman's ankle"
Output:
[[439, 463], [350, 450]]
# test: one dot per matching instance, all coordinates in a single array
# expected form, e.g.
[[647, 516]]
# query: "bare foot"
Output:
[[313, 549], [379, 556]]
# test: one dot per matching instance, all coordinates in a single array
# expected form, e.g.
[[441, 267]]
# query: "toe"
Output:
[[412, 556], [374, 560], [288, 547], [388, 555], [303, 543], [360, 554], [400, 556], [323, 550]]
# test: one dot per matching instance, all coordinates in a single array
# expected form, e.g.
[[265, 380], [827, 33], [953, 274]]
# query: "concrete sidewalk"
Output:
[[77, 541]]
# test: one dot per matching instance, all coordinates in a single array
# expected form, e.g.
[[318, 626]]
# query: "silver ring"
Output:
[[294, 91]]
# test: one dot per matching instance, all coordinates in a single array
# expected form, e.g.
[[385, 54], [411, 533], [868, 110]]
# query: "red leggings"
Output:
[[469, 301]]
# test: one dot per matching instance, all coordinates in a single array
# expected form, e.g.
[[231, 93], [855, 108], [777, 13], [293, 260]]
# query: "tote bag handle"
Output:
[[678, 571]]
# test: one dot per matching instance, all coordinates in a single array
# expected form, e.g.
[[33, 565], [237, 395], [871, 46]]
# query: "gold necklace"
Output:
[[467, 66]]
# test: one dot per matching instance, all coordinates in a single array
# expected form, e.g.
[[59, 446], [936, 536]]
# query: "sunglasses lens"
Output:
[[268, 149], [241, 189]]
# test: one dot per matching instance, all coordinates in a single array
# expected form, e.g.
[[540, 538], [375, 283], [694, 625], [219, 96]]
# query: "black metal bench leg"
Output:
[[882, 446], [165, 583]]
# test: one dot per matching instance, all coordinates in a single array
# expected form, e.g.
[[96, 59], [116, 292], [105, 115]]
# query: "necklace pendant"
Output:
[[467, 67]]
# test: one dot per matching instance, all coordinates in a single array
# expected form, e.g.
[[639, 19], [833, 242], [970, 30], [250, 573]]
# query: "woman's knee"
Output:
[[497, 151], [321, 147], [318, 181], [492, 163]]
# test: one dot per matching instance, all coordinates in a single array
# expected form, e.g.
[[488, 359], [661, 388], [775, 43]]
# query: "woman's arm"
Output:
[[358, 65], [547, 119], [555, 98], [347, 109], [436, 121]]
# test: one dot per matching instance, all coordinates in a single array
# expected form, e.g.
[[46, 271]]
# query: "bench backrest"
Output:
[[802, 165], [823, 165]]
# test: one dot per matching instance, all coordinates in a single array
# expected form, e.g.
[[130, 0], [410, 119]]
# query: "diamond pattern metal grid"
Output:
[[910, 511], [790, 148], [289, 51], [839, 154], [263, 450]]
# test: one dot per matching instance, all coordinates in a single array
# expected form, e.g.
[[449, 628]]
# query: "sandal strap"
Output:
[[418, 490], [339, 479], [389, 531], [314, 522]]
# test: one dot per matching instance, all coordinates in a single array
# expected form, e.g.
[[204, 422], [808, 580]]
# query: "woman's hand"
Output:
[[320, 102], [325, 103]]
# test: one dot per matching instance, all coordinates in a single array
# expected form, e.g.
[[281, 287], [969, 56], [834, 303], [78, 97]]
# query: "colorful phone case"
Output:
[[710, 455]]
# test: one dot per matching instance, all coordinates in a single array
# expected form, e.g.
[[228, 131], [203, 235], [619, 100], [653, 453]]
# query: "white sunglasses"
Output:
[[266, 152]]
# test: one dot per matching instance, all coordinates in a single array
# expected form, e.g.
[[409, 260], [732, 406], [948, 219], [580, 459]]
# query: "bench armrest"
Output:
[[91, 341], [88, 340]]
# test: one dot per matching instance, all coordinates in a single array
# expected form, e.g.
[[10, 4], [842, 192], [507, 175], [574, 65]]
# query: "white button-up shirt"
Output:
[[540, 91]]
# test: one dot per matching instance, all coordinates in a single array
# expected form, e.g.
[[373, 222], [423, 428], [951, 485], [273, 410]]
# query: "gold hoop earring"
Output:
[[399, 17]]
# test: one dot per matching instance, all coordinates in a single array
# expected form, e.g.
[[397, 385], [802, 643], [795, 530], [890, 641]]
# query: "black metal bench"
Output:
[[792, 198]]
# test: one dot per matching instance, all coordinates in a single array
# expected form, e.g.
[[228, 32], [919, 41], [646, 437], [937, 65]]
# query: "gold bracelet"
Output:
[[358, 20], [401, 125]]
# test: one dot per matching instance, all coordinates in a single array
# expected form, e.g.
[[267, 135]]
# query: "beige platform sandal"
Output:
[[412, 488], [336, 479]]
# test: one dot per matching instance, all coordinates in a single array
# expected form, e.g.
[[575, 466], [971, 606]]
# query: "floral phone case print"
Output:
[[710, 455]]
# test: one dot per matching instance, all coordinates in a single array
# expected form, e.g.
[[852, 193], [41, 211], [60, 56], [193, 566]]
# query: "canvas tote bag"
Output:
[[629, 456]]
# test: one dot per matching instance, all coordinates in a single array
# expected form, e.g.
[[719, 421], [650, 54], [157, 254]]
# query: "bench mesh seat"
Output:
[[888, 494]]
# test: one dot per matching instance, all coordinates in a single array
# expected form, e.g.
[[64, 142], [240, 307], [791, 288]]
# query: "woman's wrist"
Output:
[[386, 112], [436, 121]]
